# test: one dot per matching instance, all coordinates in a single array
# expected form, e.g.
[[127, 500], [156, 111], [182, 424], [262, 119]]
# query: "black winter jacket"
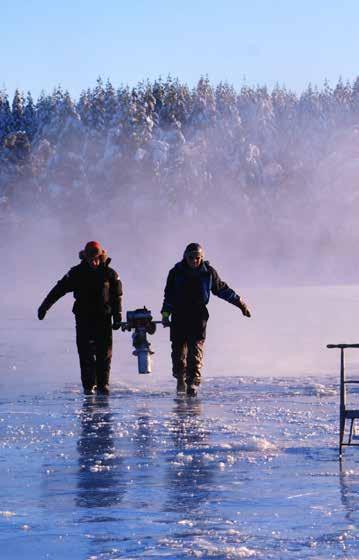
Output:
[[97, 292]]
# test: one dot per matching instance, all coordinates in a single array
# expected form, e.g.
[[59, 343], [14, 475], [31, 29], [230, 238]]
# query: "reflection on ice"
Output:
[[99, 477], [189, 475]]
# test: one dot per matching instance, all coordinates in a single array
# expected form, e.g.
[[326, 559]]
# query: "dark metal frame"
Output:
[[344, 412]]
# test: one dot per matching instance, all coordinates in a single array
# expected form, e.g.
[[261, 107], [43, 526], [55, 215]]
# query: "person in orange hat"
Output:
[[97, 290]]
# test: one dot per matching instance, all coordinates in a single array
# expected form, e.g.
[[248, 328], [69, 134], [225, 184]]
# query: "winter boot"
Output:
[[191, 390], [105, 390], [181, 385], [90, 390]]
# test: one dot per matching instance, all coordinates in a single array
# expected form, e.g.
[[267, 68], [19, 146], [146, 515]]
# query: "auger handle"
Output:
[[342, 345]]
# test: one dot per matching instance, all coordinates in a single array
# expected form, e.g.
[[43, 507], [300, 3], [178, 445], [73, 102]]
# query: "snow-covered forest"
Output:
[[164, 151]]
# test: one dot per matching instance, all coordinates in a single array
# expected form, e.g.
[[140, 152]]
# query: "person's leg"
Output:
[[103, 354], [194, 364], [179, 362], [85, 341]]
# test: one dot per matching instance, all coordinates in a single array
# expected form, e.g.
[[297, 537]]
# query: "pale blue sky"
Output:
[[72, 42]]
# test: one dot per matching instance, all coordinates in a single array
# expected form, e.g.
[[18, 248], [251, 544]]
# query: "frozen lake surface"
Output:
[[247, 470]]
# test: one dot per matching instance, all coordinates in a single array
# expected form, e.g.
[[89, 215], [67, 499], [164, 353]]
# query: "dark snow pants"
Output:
[[188, 333], [187, 359], [94, 345]]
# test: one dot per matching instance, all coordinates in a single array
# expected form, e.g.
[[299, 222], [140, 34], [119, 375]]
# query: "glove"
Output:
[[41, 312], [166, 319], [116, 322], [243, 307]]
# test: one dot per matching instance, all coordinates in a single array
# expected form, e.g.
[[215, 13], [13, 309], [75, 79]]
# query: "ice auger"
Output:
[[141, 323]]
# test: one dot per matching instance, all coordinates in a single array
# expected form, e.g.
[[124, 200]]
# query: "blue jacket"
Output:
[[188, 290]]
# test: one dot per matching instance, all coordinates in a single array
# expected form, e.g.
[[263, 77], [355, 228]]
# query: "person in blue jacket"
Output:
[[184, 309]]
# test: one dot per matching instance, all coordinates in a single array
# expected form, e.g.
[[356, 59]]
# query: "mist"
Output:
[[265, 181]]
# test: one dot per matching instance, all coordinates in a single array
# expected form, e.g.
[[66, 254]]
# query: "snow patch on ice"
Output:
[[186, 522], [312, 390], [256, 444], [205, 549]]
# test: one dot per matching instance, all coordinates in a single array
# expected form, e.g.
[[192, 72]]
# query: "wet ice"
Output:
[[249, 471]]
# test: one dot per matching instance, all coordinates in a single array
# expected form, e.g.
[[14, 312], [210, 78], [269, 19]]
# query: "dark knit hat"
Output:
[[194, 249]]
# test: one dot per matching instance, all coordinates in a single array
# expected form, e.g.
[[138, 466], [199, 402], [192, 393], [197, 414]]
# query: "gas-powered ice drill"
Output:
[[141, 322]]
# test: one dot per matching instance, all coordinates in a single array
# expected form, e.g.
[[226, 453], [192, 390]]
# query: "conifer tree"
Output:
[[17, 111], [29, 118], [5, 116]]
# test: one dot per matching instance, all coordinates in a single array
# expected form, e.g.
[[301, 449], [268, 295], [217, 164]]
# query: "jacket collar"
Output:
[[183, 266], [100, 267]]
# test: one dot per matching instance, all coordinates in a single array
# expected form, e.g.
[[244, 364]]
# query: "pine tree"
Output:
[[5, 116], [110, 105], [29, 118], [204, 106], [97, 117], [44, 110], [18, 111], [342, 96], [355, 97]]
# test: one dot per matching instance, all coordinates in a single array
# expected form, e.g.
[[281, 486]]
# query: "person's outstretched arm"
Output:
[[222, 290], [63, 286]]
